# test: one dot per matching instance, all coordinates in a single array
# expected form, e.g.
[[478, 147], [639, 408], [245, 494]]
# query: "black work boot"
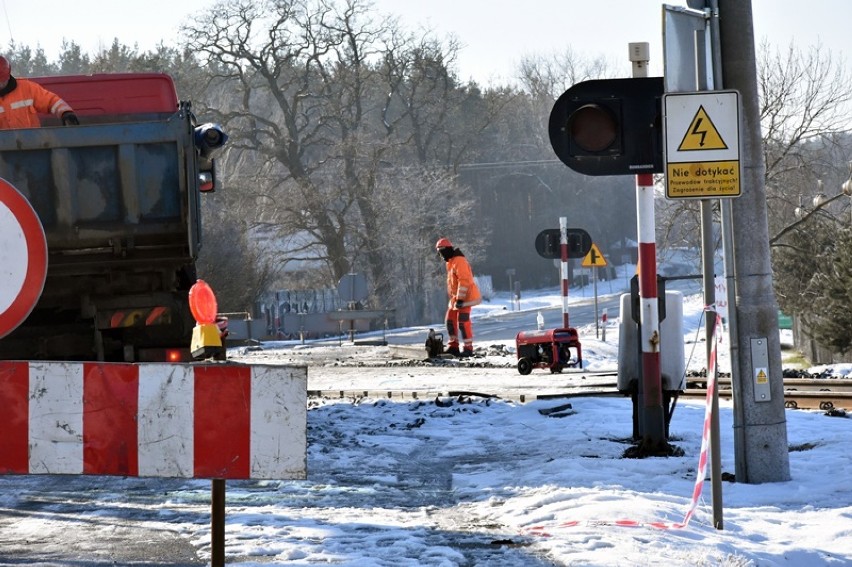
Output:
[[453, 350]]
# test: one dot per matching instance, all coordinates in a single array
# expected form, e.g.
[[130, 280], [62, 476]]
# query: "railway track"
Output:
[[799, 393]]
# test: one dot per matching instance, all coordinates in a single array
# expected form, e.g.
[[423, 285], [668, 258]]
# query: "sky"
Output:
[[456, 481], [493, 40]]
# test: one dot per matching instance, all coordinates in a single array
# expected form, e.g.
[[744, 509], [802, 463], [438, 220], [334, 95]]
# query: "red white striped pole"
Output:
[[652, 420], [563, 241]]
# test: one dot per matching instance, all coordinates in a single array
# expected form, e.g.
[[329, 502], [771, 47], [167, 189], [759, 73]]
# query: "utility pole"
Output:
[[760, 390]]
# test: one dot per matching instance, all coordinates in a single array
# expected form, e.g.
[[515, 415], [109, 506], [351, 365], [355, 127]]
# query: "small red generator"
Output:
[[548, 349]]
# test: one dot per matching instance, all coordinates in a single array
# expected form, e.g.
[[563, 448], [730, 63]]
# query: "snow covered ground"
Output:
[[467, 480]]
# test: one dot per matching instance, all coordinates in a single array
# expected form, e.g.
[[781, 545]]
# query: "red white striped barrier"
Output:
[[700, 474], [223, 421]]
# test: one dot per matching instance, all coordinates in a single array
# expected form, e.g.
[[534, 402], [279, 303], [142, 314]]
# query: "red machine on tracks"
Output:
[[554, 348]]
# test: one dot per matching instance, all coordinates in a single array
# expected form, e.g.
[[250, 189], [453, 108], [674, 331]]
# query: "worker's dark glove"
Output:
[[459, 304], [69, 119]]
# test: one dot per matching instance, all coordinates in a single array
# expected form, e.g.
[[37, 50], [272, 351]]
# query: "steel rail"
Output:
[[838, 396]]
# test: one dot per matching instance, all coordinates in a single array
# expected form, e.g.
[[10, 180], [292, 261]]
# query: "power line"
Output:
[[8, 23], [502, 164]]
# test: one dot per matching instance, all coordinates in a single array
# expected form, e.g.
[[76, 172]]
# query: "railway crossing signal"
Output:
[[609, 126], [548, 245]]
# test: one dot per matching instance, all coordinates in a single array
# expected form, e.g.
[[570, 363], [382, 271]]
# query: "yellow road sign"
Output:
[[594, 259]]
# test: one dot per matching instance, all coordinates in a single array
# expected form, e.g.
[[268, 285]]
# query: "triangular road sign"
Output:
[[594, 259]]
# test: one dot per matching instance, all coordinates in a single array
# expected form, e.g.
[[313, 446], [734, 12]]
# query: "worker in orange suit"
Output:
[[461, 287], [21, 100]]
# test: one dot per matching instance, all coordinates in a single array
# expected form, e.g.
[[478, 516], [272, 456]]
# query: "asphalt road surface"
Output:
[[85, 521], [504, 326]]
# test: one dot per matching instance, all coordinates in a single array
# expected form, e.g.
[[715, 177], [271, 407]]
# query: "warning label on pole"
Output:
[[702, 144]]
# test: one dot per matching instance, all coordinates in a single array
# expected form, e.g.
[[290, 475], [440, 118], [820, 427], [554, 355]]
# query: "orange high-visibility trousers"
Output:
[[458, 321]]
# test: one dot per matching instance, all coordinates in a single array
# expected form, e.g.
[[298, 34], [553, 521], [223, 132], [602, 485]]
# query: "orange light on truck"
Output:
[[206, 337], [202, 303]]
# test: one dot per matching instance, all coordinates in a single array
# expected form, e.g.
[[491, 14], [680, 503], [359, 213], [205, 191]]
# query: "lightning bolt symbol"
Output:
[[699, 131]]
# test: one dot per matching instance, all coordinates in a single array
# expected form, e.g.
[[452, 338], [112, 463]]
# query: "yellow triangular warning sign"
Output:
[[594, 259], [702, 134]]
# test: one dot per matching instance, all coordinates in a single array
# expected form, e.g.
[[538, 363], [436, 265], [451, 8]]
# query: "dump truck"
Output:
[[118, 197]]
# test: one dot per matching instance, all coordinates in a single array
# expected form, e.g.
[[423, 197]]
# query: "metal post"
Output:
[[563, 241], [653, 416], [276, 313], [652, 413], [710, 321], [597, 325], [217, 522], [704, 80]]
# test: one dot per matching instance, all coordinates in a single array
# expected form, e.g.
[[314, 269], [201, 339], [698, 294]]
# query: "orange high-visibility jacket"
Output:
[[20, 108], [460, 283]]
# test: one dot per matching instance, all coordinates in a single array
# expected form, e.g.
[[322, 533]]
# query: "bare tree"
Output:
[[550, 76], [275, 68], [230, 263], [804, 104], [408, 248], [318, 97]]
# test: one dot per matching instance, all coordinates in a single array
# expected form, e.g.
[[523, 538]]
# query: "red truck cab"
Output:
[[113, 97]]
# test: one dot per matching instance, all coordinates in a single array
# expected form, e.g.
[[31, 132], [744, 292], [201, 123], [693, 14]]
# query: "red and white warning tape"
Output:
[[541, 530]]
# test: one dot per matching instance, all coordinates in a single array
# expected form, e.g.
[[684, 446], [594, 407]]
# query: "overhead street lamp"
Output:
[[818, 204], [819, 200]]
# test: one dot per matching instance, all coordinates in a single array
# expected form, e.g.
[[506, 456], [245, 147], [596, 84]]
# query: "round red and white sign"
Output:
[[23, 258]]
